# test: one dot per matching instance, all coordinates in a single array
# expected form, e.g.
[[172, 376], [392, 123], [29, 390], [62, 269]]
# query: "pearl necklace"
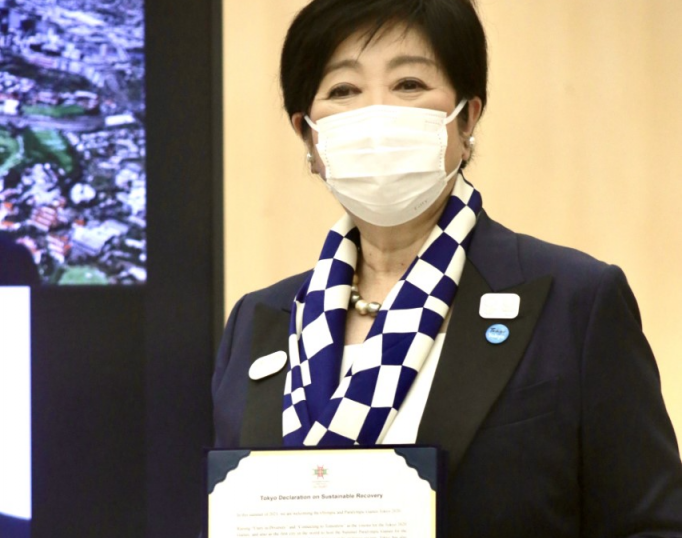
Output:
[[356, 301]]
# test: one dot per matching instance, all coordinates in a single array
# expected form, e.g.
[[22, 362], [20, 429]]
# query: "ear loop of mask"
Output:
[[455, 171], [310, 122], [456, 112]]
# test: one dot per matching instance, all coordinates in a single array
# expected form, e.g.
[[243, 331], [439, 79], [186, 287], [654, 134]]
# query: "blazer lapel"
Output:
[[262, 421], [472, 372]]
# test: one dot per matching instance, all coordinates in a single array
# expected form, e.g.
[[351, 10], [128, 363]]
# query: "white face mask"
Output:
[[385, 164]]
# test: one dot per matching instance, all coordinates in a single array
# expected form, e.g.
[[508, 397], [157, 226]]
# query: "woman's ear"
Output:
[[297, 123], [475, 107]]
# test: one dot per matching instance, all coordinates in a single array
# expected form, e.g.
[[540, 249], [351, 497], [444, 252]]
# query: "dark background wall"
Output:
[[121, 405]]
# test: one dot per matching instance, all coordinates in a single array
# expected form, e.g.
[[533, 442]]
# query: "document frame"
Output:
[[391, 491]]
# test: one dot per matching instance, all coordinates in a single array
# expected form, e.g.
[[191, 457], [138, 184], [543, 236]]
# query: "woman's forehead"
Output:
[[387, 43]]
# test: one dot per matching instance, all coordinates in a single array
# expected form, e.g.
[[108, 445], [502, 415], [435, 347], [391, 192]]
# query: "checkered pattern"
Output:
[[318, 410]]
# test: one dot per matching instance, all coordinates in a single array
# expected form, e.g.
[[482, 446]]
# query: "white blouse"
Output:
[[406, 424]]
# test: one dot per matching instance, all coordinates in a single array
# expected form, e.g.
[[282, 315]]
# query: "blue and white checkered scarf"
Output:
[[320, 411]]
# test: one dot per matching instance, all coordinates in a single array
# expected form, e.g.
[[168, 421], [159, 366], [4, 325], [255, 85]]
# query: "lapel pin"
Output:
[[496, 334], [267, 365], [499, 306]]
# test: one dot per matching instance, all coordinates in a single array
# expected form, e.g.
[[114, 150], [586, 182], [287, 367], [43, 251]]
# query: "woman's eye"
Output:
[[410, 85], [341, 91]]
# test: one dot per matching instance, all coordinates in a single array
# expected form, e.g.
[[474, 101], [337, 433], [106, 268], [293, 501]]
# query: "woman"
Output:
[[545, 394]]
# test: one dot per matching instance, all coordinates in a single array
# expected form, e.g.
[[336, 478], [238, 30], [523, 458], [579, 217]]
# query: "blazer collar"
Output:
[[494, 251], [471, 372]]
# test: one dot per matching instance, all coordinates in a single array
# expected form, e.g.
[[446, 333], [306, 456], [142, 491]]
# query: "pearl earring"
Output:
[[472, 141]]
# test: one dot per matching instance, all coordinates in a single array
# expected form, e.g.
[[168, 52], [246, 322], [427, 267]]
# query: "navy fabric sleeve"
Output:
[[223, 356], [631, 473], [221, 411]]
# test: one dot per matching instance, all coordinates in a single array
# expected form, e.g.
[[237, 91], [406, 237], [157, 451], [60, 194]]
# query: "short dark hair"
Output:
[[451, 27]]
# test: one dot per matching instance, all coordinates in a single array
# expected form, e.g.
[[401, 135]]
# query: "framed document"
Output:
[[352, 492]]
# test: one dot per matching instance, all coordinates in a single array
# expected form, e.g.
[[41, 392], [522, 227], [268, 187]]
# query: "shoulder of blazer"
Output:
[[505, 258], [281, 294]]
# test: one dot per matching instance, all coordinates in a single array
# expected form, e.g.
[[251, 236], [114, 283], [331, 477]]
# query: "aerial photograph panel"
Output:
[[72, 137]]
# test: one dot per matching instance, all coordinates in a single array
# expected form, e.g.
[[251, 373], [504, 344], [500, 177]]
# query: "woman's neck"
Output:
[[386, 253]]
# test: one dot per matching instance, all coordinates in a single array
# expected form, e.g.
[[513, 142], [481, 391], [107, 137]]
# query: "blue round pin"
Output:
[[496, 334]]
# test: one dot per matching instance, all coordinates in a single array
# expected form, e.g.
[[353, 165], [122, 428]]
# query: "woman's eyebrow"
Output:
[[394, 63], [399, 61], [341, 64]]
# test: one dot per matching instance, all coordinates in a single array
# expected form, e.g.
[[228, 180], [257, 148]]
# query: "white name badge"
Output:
[[499, 306], [267, 365]]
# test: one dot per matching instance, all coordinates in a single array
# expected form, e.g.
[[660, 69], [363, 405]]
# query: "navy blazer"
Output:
[[560, 431]]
